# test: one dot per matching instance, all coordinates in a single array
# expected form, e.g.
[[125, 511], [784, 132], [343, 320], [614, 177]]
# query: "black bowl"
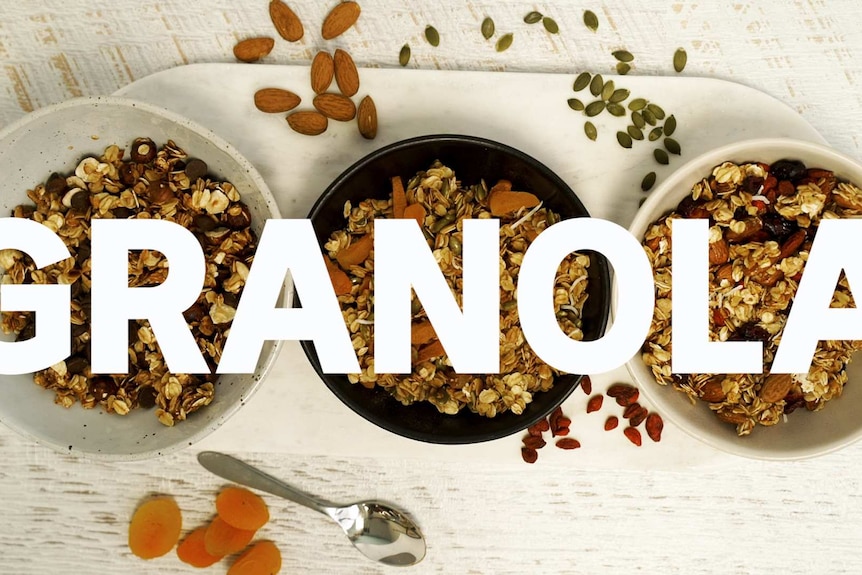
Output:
[[472, 159]]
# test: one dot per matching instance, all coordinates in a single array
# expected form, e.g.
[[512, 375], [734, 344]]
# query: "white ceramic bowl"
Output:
[[804, 434], [54, 139]]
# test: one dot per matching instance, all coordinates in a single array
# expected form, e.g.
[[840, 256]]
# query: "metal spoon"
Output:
[[377, 530]]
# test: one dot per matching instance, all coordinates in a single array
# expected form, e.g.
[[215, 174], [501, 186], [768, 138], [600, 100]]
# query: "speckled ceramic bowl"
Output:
[[805, 433], [54, 139]]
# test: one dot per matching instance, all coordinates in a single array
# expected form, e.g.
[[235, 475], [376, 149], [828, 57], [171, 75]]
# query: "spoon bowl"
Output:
[[377, 530]]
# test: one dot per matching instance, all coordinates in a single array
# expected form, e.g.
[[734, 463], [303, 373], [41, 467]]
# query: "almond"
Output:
[[339, 19], [307, 122], [776, 387], [286, 22], [322, 70], [366, 117], [750, 227], [253, 49], [346, 75], [275, 100], [712, 391], [718, 252], [335, 106]]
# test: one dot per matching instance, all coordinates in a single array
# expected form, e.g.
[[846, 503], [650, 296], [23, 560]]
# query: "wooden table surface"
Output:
[[63, 514]]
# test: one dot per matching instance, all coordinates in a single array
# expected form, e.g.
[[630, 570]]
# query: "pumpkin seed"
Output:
[[404, 55], [656, 111], [623, 68], [455, 245], [576, 104], [623, 55], [504, 42], [661, 156], [638, 120], [635, 132], [646, 184], [619, 95], [624, 139], [446, 220], [594, 108], [591, 132], [616, 110], [509, 305], [596, 85], [637, 104], [679, 59], [672, 146], [608, 90], [532, 17], [581, 82], [654, 134], [550, 219], [432, 35], [669, 125], [415, 306], [649, 117], [550, 25], [591, 21], [487, 28]]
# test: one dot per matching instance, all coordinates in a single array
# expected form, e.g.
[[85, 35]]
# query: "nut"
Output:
[[322, 71], [712, 391], [143, 150], [346, 75], [340, 19], [307, 122], [775, 387], [160, 193], [335, 106], [366, 117], [718, 252], [238, 216], [275, 100], [286, 23], [253, 49]]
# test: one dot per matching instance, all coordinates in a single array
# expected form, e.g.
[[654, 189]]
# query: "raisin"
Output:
[[752, 184], [749, 332], [777, 227], [792, 170]]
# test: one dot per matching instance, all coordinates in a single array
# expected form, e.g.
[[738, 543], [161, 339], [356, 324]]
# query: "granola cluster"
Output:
[[445, 204], [763, 219], [153, 183]]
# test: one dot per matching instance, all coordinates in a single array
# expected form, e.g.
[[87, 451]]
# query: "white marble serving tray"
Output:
[[294, 412]]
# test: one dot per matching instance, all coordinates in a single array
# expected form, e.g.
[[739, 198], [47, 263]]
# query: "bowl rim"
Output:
[[274, 213], [525, 421], [648, 212]]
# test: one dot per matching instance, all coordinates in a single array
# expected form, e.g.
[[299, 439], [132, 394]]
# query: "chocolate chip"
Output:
[[28, 332], [195, 169], [122, 213], [792, 170], [128, 174], [56, 184], [80, 201], [146, 396], [76, 364]]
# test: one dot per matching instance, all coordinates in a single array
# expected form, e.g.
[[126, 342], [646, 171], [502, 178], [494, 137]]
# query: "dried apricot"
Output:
[[262, 559], [193, 551], [155, 528], [242, 509], [222, 538]]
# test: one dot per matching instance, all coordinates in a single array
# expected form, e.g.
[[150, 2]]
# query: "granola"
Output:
[[445, 204], [154, 183], [763, 219]]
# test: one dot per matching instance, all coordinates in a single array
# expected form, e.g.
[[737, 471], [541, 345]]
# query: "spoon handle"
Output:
[[233, 469]]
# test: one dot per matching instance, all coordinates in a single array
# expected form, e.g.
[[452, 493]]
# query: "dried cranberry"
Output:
[[792, 170], [777, 227], [749, 332]]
